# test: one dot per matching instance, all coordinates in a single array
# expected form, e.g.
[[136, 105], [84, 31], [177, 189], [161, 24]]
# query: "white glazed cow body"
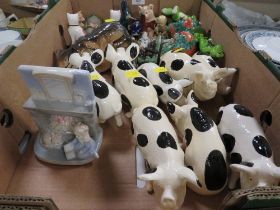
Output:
[[167, 88], [108, 100], [251, 156], [200, 69], [205, 153], [159, 145], [135, 89]]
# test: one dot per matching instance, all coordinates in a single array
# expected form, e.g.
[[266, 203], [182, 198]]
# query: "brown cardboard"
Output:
[[206, 16], [6, 7]]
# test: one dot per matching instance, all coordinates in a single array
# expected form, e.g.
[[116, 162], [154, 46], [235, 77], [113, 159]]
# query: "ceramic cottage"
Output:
[[250, 153]]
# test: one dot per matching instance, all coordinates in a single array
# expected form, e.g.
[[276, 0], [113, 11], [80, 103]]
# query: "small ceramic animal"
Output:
[[135, 89], [174, 12], [108, 100], [250, 153], [148, 19], [82, 146], [167, 88], [205, 153], [115, 15], [158, 142], [161, 28], [200, 69], [75, 29]]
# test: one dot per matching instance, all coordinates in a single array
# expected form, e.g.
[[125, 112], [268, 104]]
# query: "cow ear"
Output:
[[188, 174], [192, 99], [133, 51], [110, 53], [97, 57], [197, 76], [75, 60], [223, 72], [242, 168], [185, 82], [157, 175]]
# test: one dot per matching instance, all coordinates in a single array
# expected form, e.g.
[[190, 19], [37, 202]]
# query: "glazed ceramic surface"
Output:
[[205, 153], [115, 15], [251, 156], [200, 69], [158, 142], [75, 30], [9, 37], [135, 89], [148, 19], [167, 88], [108, 100]]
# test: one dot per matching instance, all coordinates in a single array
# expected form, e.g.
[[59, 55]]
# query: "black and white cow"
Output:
[[167, 88], [200, 69], [249, 151], [135, 89], [205, 153], [158, 142], [108, 100]]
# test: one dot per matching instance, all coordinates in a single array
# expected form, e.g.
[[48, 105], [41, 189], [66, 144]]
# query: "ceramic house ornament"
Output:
[[201, 69], [135, 89], [250, 153], [167, 88], [158, 142], [75, 30], [108, 100], [205, 153]]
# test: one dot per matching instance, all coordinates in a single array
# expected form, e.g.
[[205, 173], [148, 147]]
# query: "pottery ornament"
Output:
[[75, 30]]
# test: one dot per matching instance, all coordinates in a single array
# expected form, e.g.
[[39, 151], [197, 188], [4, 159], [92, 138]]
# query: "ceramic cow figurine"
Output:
[[135, 89], [205, 153], [167, 88], [108, 100], [159, 145], [204, 72], [251, 156]]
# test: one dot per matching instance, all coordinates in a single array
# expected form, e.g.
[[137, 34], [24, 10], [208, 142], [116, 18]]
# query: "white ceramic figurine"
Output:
[[250, 153], [75, 30], [135, 89], [205, 153], [115, 15], [108, 100], [202, 70], [159, 145], [167, 88]]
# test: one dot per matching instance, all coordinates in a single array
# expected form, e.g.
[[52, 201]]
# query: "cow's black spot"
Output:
[[249, 164], [132, 128], [133, 52], [87, 66], [170, 108], [97, 109], [113, 80], [96, 58], [262, 146], [124, 65], [177, 64], [215, 170], [242, 110], [151, 113], [140, 81], [142, 140], [188, 135], [200, 120], [125, 100], [173, 93], [193, 62], [162, 64], [159, 90], [198, 183], [165, 140], [235, 158], [212, 62], [229, 142], [165, 78], [100, 89], [219, 117], [143, 72], [194, 98], [190, 167]]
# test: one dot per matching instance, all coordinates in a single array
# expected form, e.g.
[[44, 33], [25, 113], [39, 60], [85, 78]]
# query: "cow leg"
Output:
[[118, 119], [234, 176]]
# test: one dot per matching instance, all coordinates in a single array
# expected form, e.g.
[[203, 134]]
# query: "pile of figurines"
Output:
[[171, 71]]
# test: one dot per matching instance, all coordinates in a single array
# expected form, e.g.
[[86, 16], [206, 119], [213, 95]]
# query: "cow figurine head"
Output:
[[205, 75], [108, 100], [205, 153], [250, 153], [167, 88], [135, 89], [158, 142]]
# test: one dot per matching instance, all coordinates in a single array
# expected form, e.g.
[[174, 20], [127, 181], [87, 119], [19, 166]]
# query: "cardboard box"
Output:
[[110, 182]]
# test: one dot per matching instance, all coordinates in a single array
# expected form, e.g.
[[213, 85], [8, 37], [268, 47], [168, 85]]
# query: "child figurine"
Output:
[[148, 19], [75, 26], [161, 28], [82, 146]]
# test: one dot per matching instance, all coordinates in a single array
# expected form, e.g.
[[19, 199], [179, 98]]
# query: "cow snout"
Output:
[[169, 203], [212, 85]]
